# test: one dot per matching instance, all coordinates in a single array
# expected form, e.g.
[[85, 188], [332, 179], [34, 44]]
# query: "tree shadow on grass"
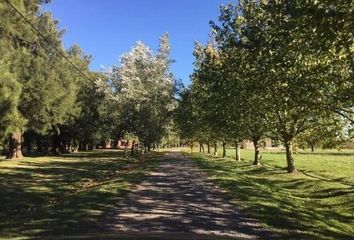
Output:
[[313, 153], [271, 201], [56, 197]]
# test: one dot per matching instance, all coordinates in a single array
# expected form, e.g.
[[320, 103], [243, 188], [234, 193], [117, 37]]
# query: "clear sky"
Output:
[[106, 29]]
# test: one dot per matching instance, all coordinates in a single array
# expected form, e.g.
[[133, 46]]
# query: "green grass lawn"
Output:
[[69, 194], [315, 203]]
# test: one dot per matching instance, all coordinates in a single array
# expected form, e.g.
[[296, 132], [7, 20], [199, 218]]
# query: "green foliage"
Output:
[[10, 120], [185, 117], [46, 90], [274, 68], [331, 132], [143, 91]]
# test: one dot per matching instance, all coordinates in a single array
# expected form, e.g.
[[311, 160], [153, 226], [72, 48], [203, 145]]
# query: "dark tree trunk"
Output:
[[238, 151], [312, 148], [56, 146], [126, 147], [289, 156], [132, 148], [46, 145], [64, 147], [208, 147], [257, 153], [15, 144], [223, 149], [215, 149], [83, 146], [90, 147], [118, 142], [192, 147]]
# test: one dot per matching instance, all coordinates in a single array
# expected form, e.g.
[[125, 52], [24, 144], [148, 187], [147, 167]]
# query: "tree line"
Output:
[[52, 103], [275, 68]]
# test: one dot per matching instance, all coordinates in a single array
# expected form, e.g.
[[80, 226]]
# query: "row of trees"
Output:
[[55, 104], [274, 68], [40, 91]]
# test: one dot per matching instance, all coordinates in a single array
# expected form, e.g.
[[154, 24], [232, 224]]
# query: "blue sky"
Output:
[[108, 28]]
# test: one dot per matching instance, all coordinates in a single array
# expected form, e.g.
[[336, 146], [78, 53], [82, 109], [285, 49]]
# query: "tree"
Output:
[[49, 84], [11, 120], [184, 116], [16, 44], [242, 92], [206, 93], [144, 89]]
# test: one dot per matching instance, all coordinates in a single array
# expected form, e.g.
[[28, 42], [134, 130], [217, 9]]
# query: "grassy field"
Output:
[[315, 203], [70, 194]]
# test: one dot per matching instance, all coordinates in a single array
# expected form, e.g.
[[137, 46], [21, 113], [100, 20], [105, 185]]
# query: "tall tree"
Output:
[[144, 87]]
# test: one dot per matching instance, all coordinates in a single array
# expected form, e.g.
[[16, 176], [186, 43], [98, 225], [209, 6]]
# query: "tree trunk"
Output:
[[289, 156], [132, 148], [90, 147], [56, 144], [312, 148], [257, 154], [126, 148], [46, 145], [64, 148], [192, 147], [223, 149], [208, 147], [201, 147], [83, 146], [15, 144], [215, 149], [238, 151]]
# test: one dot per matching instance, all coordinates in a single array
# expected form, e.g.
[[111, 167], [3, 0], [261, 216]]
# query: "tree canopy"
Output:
[[275, 69]]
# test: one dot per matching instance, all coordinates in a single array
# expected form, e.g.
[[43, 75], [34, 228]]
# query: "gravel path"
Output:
[[176, 201]]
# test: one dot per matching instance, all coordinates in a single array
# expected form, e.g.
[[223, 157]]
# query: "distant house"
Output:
[[121, 144], [349, 145]]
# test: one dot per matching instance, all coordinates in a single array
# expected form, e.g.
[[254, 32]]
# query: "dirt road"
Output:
[[177, 201]]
